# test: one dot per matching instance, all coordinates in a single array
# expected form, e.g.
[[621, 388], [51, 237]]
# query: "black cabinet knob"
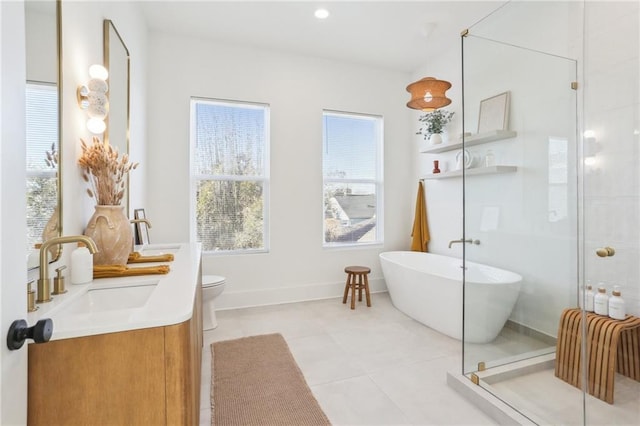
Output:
[[19, 332]]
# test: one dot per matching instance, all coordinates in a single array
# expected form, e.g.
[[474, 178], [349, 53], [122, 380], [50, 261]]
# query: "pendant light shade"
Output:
[[428, 94]]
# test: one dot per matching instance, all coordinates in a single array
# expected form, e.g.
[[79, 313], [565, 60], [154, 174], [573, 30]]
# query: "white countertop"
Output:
[[170, 302]]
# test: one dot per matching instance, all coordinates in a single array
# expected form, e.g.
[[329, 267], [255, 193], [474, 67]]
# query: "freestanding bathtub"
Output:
[[428, 288]]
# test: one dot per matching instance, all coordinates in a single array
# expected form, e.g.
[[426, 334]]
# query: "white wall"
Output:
[[297, 88], [612, 111], [544, 252], [82, 46]]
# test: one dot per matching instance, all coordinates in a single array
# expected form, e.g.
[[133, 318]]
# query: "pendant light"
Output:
[[428, 94]]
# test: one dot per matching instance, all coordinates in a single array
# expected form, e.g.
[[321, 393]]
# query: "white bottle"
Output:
[[616, 304], [489, 159], [601, 302], [588, 299], [81, 266]]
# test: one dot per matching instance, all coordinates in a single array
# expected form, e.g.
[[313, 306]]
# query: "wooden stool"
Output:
[[357, 280], [612, 346]]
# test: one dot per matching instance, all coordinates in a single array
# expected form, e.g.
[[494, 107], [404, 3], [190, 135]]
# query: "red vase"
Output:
[[435, 166]]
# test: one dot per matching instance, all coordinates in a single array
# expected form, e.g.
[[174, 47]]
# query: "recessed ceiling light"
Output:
[[322, 13]]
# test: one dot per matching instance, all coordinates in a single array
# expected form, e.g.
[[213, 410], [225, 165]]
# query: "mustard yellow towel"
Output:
[[420, 234], [136, 257], [112, 271]]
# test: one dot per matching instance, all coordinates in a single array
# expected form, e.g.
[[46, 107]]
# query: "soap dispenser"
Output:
[[616, 304], [588, 298], [601, 302], [81, 265]]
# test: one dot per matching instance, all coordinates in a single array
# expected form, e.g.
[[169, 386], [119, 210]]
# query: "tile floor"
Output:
[[552, 401], [370, 366], [376, 366]]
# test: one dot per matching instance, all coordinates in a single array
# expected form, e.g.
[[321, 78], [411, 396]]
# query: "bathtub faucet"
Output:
[[476, 242]]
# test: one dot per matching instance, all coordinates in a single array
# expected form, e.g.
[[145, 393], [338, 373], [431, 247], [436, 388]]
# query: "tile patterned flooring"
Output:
[[376, 366], [370, 366], [549, 400]]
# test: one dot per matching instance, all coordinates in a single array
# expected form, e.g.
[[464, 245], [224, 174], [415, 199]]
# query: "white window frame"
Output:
[[196, 178], [378, 181]]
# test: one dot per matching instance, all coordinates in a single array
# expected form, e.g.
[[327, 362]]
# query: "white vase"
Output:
[[435, 139]]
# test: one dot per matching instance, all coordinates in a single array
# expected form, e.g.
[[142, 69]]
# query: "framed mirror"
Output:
[[43, 125], [116, 61]]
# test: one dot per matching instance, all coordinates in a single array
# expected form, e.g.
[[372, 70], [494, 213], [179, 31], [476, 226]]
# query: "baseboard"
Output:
[[275, 296]]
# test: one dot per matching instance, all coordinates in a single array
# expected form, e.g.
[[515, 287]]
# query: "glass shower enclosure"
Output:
[[553, 178]]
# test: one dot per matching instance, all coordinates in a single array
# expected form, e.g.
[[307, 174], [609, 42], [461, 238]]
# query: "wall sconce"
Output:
[[92, 98], [428, 94], [590, 148]]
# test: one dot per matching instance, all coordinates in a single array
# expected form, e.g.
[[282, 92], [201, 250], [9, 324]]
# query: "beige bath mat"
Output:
[[256, 381]]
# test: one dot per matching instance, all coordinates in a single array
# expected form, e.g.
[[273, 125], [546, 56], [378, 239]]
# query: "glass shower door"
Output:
[[521, 215], [556, 203]]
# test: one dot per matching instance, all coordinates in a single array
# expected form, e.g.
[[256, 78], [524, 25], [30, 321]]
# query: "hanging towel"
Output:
[[420, 234]]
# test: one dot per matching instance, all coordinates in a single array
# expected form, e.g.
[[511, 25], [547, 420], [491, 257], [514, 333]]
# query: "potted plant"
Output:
[[433, 124], [106, 172]]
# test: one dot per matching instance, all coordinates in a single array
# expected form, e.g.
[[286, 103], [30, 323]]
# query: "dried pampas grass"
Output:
[[105, 172]]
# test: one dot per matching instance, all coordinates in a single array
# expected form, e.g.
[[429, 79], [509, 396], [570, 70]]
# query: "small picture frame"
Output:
[[141, 228], [494, 113]]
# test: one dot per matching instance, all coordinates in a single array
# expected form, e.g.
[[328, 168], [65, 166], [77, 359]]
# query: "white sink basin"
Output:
[[159, 249], [112, 298]]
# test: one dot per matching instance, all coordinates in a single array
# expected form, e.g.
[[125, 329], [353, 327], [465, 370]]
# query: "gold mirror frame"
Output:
[[117, 62], [56, 219]]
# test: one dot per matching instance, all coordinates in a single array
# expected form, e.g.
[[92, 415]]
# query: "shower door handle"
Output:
[[605, 251]]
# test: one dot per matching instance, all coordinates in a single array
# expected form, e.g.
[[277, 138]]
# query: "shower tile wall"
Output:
[[612, 182]]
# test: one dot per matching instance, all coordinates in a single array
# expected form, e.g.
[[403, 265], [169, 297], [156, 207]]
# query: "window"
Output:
[[229, 175], [352, 179], [42, 157]]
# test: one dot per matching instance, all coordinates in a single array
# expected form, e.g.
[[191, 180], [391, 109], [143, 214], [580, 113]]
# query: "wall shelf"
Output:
[[473, 171], [472, 140]]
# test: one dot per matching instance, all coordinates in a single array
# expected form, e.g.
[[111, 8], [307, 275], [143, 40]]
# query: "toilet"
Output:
[[212, 287]]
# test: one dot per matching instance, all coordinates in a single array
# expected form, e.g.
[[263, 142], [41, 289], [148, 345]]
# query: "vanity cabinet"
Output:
[[146, 376]]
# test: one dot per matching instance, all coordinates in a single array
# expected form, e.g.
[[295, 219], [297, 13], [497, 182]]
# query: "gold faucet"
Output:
[[141, 221], [44, 282], [146, 222]]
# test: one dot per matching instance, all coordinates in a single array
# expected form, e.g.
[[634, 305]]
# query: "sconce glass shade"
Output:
[[97, 85], [428, 94], [93, 99], [96, 126], [98, 110], [98, 71]]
